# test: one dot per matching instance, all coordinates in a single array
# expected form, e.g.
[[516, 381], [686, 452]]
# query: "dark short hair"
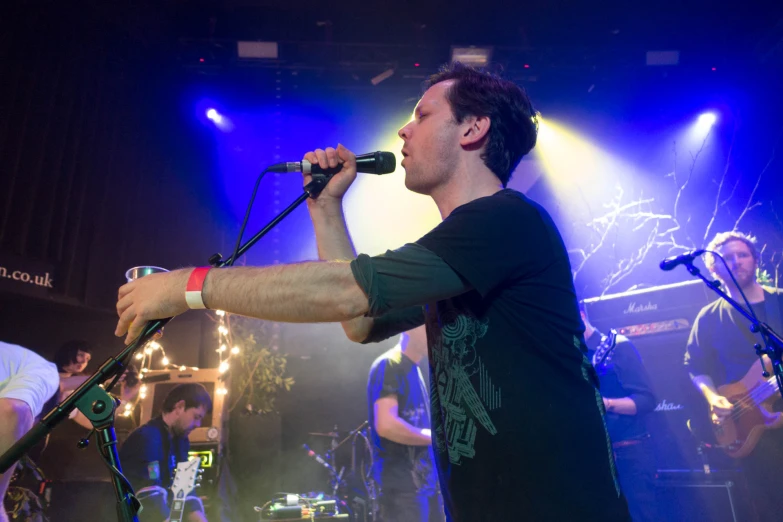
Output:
[[722, 238], [66, 354], [514, 124], [193, 393]]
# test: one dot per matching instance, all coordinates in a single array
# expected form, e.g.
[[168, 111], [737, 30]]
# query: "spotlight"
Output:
[[707, 119], [211, 115], [214, 115]]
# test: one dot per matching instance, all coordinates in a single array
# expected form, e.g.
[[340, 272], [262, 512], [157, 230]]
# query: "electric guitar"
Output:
[[186, 477], [603, 354], [751, 413]]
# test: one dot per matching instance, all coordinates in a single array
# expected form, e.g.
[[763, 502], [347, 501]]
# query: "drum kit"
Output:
[[351, 494]]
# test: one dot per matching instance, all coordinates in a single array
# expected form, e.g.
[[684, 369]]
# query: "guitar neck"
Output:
[[770, 388], [177, 510]]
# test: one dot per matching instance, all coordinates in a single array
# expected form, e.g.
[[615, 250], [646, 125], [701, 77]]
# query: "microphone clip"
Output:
[[319, 181]]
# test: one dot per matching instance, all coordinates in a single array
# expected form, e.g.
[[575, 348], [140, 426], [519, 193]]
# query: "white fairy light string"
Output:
[[154, 351]]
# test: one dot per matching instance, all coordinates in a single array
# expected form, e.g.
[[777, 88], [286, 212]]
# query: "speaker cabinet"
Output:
[[160, 382]]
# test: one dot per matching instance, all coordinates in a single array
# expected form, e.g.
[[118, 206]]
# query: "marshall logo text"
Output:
[[668, 406], [636, 308]]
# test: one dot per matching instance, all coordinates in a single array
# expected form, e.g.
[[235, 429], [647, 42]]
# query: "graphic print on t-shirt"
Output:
[[463, 409]]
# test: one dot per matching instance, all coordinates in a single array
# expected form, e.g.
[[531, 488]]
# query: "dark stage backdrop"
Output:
[[98, 173]]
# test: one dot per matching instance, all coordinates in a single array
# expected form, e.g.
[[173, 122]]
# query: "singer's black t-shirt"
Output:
[[399, 468], [516, 415]]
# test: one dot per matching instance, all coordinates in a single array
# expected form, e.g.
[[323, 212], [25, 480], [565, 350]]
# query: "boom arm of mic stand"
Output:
[[772, 341], [311, 190]]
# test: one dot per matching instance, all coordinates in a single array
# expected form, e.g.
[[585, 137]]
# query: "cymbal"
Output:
[[327, 434]]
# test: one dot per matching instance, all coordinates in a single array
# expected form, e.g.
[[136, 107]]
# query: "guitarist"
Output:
[[626, 391], [720, 351], [152, 452]]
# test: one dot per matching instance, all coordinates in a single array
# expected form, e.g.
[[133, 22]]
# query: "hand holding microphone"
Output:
[[328, 160]]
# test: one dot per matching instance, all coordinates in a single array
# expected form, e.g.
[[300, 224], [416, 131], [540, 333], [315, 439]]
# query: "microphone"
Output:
[[318, 458], [370, 163], [687, 258]]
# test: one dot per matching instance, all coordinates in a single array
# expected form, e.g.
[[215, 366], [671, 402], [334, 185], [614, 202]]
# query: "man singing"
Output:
[[493, 284]]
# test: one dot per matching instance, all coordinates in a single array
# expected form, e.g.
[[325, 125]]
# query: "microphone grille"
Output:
[[385, 163]]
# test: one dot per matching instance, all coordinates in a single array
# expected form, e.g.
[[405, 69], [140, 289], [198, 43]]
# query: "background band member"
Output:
[[27, 382], [628, 399], [401, 438], [72, 359], [720, 351], [493, 284], [152, 452]]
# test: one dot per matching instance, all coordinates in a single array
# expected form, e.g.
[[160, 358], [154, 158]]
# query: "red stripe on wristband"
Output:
[[195, 286]]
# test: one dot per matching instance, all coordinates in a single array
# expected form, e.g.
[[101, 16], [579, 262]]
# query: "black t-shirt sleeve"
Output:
[[408, 276], [384, 380], [395, 322], [494, 239], [700, 354], [633, 376]]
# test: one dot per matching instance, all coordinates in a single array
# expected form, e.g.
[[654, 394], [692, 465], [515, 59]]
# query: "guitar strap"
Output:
[[772, 306]]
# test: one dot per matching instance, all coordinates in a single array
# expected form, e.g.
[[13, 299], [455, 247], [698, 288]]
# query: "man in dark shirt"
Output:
[[399, 414], [628, 399], [493, 284], [720, 351], [152, 452]]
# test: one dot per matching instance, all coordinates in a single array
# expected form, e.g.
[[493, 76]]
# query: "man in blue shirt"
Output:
[[152, 452], [399, 414]]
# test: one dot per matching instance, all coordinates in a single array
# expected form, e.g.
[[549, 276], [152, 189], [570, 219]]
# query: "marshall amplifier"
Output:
[[658, 321]]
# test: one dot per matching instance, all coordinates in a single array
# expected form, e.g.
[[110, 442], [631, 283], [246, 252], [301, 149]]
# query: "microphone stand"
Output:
[[773, 344], [98, 406]]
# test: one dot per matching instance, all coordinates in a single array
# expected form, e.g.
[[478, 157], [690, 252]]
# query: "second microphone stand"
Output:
[[773, 344]]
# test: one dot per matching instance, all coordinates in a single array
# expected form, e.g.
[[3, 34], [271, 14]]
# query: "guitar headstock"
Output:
[[186, 478], [603, 354]]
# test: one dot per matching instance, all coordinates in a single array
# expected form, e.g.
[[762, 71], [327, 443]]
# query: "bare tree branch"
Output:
[[720, 184], [749, 206]]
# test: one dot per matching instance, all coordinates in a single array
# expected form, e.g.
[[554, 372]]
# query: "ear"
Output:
[[475, 128], [180, 405]]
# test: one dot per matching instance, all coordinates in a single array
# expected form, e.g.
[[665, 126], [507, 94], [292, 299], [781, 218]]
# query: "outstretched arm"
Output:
[[305, 292]]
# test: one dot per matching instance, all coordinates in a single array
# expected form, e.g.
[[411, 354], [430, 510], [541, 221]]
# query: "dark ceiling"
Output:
[[655, 24], [665, 24]]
